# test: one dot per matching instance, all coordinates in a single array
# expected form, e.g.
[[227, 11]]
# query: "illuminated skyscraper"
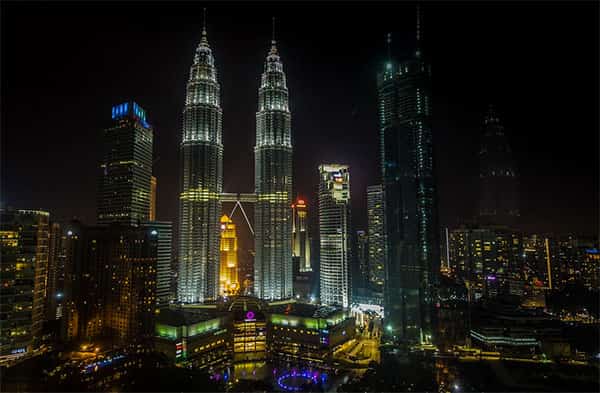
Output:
[[300, 238], [228, 277], [126, 167], [24, 267], [334, 233], [412, 233], [376, 234], [201, 181], [273, 184], [499, 201]]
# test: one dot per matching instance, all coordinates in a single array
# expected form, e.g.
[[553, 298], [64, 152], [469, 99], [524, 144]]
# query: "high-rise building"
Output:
[[228, 277], [163, 230], [56, 273], [412, 233], [153, 184], [126, 167], [110, 281], [335, 236], [488, 258], [362, 257], [376, 233], [499, 200], [273, 184], [300, 236], [201, 181], [24, 267]]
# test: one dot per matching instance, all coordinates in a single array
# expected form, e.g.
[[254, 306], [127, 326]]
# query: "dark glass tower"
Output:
[[412, 235], [499, 200], [273, 184], [126, 167], [201, 181]]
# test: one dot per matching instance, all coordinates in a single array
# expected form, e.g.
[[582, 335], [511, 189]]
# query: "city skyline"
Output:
[[576, 214]]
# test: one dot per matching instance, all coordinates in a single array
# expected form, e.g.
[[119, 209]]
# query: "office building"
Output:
[[498, 177], [273, 184], [110, 281], [124, 183], [201, 181], [228, 277], [412, 233], [488, 259], [56, 273], [376, 233], [24, 266], [335, 236], [164, 255], [300, 235], [362, 259]]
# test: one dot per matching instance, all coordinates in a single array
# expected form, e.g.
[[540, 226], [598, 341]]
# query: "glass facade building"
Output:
[[201, 181], [498, 177], [124, 187], [335, 234], [273, 278], [412, 234]]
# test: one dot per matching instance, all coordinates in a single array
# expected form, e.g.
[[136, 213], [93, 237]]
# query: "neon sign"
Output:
[[250, 316]]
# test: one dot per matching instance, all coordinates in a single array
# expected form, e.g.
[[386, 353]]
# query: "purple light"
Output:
[[250, 315], [491, 278]]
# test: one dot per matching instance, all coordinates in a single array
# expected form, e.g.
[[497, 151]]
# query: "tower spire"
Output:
[[273, 42], [204, 40], [389, 46]]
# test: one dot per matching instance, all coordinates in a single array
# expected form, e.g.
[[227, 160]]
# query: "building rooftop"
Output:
[[184, 317], [304, 310]]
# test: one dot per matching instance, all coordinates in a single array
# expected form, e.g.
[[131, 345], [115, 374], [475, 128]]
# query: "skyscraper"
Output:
[[24, 267], [362, 257], [499, 201], [412, 249], [376, 234], [334, 233], [125, 167], [300, 237], [228, 277], [273, 184], [201, 181], [163, 232]]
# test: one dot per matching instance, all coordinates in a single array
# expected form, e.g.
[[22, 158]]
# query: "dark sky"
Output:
[[65, 65]]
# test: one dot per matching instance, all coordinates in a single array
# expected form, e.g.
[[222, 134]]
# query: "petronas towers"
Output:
[[202, 182]]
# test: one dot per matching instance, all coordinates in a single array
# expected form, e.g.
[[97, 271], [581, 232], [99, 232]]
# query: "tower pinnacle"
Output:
[[204, 40], [273, 42]]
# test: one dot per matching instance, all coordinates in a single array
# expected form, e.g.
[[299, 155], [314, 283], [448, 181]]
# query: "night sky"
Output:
[[64, 66]]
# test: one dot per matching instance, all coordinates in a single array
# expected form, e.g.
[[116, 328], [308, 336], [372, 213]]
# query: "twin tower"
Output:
[[202, 182]]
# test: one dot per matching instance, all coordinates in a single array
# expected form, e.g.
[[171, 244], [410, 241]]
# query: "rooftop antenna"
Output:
[[389, 46], [204, 40], [273, 42]]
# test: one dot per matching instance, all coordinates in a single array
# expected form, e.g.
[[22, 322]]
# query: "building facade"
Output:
[[24, 264], [124, 183], [335, 234], [229, 283], [201, 181], [376, 234], [273, 184], [410, 202], [300, 235], [498, 177]]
